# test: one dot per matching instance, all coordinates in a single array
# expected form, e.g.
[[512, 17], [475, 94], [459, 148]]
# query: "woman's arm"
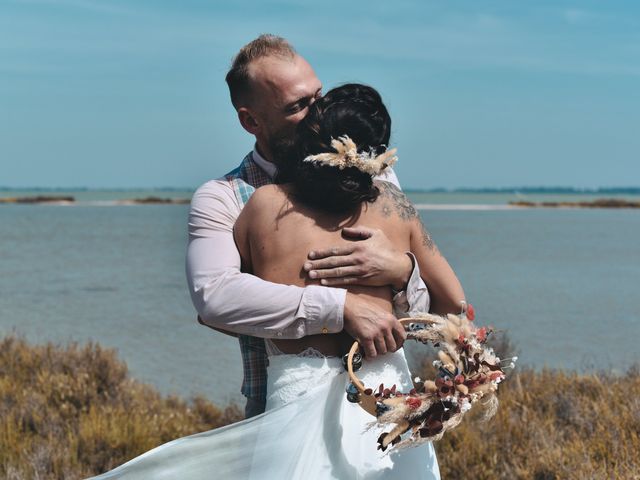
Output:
[[444, 288]]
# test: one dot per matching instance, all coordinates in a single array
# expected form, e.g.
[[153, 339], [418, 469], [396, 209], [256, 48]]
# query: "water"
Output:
[[114, 275], [562, 282]]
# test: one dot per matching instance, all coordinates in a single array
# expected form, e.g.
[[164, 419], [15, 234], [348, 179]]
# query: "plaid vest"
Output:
[[244, 180]]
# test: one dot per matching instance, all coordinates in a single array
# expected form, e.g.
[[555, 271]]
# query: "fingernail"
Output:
[[313, 274], [307, 266], [323, 281], [312, 255]]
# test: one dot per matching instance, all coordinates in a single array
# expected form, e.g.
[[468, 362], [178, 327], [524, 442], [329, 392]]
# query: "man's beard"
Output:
[[281, 146]]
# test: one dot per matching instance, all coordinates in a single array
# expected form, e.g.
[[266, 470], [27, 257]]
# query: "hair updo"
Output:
[[356, 111]]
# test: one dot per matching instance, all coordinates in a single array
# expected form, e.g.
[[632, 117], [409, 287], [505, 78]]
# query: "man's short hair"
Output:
[[237, 78]]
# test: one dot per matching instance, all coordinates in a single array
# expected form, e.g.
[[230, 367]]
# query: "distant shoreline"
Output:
[[522, 190], [534, 190], [62, 200], [599, 203], [70, 200]]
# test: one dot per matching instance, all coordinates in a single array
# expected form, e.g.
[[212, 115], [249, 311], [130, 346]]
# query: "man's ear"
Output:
[[248, 120]]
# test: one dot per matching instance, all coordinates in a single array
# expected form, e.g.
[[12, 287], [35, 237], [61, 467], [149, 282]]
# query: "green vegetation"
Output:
[[71, 412]]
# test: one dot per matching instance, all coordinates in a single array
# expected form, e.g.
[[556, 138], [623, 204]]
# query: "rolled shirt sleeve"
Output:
[[416, 296]]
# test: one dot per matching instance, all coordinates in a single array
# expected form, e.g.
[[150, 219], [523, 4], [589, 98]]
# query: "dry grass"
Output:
[[552, 425], [72, 412]]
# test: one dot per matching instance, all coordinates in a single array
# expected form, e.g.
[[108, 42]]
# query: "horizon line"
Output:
[[507, 189]]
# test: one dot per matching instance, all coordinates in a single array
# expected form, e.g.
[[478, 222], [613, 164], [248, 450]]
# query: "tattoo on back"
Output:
[[394, 199]]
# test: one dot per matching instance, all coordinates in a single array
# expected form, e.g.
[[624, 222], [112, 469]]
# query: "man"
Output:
[[271, 87]]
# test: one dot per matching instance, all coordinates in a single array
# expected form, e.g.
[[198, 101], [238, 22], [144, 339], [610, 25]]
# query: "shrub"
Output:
[[552, 425], [73, 412]]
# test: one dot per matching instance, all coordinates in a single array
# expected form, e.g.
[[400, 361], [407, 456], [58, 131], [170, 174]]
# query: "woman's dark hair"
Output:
[[354, 110]]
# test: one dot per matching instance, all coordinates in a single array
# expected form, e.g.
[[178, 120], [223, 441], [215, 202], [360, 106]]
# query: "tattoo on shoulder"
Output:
[[386, 210], [427, 241], [396, 200]]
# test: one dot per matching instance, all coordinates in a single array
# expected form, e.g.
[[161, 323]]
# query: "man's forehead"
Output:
[[270, 62], [284, 76]]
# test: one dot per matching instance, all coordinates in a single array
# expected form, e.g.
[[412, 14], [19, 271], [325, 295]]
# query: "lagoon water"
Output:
[[564, 283]]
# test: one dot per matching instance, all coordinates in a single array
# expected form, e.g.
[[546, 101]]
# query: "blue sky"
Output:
[[118, 93]]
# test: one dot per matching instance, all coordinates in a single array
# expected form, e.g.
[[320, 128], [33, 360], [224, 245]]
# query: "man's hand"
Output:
[[370, 260], [376, 330]]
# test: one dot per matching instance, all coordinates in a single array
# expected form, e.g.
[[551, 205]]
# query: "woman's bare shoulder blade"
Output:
[[265, 198]]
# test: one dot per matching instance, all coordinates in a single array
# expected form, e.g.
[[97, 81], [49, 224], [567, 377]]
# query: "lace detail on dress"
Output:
[[311, 352]]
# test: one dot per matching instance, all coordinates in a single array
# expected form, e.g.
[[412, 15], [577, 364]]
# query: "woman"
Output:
[[309, 430]]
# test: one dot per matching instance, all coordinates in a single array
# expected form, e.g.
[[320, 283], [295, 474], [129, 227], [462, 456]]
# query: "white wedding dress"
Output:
[[310, 431]]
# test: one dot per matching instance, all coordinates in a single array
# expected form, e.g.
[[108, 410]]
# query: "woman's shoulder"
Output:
[[267, 197], [393, 203], [268, 190], [392, 195], [261, 208]]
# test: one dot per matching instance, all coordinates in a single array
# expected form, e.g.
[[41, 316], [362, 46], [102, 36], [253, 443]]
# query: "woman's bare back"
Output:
[[275, 233]]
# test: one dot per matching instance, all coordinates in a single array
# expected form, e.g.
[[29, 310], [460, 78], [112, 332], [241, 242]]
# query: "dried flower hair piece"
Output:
[[468, 372], [347, 156]]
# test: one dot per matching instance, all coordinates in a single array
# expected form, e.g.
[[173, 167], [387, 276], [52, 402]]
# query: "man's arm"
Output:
[[376, 329], [230, 300]]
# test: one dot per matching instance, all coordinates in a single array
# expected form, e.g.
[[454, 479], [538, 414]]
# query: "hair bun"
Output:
[[351, 110]]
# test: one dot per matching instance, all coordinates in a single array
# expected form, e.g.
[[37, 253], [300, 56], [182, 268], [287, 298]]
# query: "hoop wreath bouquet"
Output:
[[468, 372]]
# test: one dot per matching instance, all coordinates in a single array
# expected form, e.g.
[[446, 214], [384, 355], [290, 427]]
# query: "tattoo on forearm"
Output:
[[394, 198]]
